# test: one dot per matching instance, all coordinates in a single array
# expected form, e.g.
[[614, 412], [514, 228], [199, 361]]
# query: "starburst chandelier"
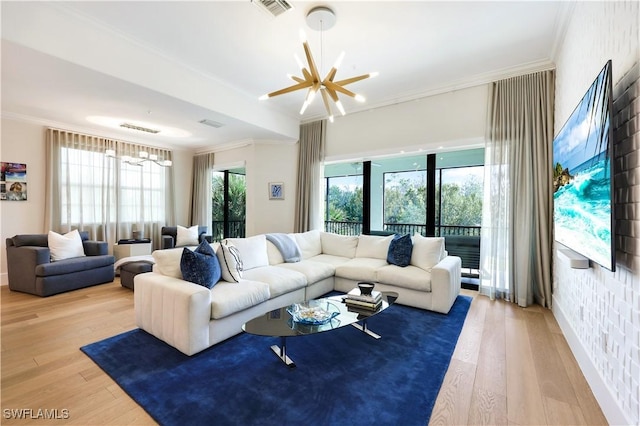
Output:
[[320, 18]]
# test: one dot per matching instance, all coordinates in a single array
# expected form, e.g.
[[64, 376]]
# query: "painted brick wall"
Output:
[[601, 308]]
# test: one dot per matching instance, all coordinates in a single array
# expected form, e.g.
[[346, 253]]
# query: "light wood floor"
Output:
[[511, 365]]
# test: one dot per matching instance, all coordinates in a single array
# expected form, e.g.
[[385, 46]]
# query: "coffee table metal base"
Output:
[[365, 330], [281, 351]]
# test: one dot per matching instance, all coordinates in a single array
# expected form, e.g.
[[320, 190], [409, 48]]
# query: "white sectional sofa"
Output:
[[191, 317]]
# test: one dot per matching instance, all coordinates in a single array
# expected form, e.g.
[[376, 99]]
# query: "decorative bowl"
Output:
[[366, 288], [310, 313]]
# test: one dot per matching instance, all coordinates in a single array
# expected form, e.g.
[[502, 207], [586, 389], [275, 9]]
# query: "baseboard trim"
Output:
[[4, 278], [605, 397]]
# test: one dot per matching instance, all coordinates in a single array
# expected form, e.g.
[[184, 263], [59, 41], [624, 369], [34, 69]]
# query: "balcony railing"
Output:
[[355, 228], [343, 228], [236, 229]]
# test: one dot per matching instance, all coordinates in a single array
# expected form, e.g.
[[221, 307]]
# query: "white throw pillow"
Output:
[[427, 251], [168, 262], [65, 246], [309, 243], [230, 262], [373, 246], [187, 236], [253, 251], [339, 245]]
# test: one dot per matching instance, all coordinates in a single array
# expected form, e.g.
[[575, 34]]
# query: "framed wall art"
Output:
[[276, 191], [13, 181]]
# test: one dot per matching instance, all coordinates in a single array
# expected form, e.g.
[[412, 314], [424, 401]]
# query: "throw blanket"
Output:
[[287, 246]]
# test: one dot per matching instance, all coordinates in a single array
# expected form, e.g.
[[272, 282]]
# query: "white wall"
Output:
[[266, 161], [599, 311], [22, 142], [453, 120]]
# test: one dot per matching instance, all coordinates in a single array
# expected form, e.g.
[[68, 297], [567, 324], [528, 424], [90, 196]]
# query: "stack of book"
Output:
[[370, 302]]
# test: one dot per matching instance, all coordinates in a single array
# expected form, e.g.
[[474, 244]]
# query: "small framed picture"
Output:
[[276, 191]]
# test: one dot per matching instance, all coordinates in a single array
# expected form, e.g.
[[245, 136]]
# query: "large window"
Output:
[[91, 196], [396, 199], [229, 192], [103, 195], [459, 200], [343, 199], [405, 201]]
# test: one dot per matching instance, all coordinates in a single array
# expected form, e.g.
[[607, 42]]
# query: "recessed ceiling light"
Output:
[[138, 126], [211, 123]]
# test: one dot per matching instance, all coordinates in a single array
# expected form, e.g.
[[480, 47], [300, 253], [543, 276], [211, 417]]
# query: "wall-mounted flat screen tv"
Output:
[[582, 176]]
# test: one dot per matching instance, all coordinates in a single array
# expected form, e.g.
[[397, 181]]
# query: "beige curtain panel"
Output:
[[310, 163], [516, 247], [201, 203]]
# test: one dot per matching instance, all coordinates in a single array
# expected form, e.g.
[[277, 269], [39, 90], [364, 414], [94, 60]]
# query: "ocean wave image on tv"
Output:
[[582, 209], [582, 199]]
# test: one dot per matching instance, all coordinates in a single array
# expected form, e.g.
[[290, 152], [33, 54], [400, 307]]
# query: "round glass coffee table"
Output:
[[312, 317]]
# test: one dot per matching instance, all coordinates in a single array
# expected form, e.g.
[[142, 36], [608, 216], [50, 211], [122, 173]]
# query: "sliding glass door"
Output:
[[229, 193]]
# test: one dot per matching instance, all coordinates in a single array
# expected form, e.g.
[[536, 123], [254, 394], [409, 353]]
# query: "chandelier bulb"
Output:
[[304, 107], [360, 98], [373, 74], [263, 97], [340, 107]]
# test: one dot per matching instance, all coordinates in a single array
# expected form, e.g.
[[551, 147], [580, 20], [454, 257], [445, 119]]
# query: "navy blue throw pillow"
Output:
[[200, 266], [400, 250]]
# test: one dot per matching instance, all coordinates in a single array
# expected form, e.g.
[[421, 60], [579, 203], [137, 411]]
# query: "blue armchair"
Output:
[[31, 270]]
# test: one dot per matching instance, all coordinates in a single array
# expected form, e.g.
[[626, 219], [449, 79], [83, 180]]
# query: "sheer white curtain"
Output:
[[201, 201], [310, 161], [516, 244], [89, 191]]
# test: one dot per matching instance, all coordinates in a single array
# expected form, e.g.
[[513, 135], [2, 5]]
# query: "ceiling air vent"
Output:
[[211, 123], [139, 128], [273, 7]]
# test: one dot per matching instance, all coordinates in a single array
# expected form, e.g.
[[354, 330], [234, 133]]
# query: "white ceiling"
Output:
[[174, 63]]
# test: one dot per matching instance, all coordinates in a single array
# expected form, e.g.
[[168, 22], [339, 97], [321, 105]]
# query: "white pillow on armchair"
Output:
[[187, 236]]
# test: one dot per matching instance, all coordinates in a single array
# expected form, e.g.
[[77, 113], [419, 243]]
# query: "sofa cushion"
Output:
[[339, 245], [314, 271], [273, 254], [330, 259], [360, 269], [231, 266], [200, 266], [167, 262], [309, 243], [373, 246], [280, 280], [427, 251], [400, 250], [186, 236], [408, 277], [76, 264], [65, 246], [229, 298], [253, 251]]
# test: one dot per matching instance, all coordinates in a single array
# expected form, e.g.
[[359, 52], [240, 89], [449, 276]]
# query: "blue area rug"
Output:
[[342, 377]]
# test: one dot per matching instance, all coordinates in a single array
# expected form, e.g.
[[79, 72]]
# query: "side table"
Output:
[[132, 249]]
